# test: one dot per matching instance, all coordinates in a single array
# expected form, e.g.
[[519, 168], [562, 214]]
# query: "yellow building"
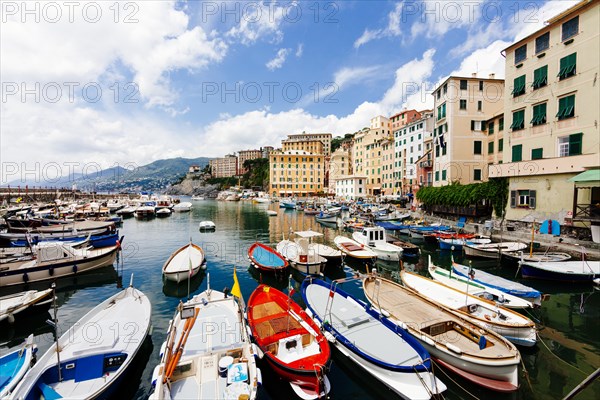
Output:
[[310, 146], [296, 173], [367, 150], [244, 155], [495, 139], [551, 109], [462, 107], [291, 143], [340, 164]]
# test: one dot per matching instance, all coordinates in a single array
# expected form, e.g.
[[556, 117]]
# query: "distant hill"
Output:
[[155, 176]]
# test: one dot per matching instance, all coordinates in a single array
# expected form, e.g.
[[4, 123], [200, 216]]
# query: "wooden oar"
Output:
[[189, 324]]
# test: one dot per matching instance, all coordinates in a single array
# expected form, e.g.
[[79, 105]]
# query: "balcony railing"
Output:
[[426, 164]]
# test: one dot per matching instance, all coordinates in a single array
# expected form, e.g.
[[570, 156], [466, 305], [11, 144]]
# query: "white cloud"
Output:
[[367, 36], [300, 50], [263, 21], [349, 76], [279, 59]]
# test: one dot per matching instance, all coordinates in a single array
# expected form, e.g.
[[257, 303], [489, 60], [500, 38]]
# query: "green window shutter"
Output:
[[483, 125], [540, 77], [517, 153], [437, 151], [501, 124], [539, 114], [472, 125], [490, 147], [444, 175], [575, 144], [437, 175], [444, 150], [500, 145], [566, 107], [477, 147], [537, 154], [518, 120], [568, 66], [491, 128], [477, 174], [513, 198], [519, 86]]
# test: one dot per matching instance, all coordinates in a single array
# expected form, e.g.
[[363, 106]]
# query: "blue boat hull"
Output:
[[528, 271]]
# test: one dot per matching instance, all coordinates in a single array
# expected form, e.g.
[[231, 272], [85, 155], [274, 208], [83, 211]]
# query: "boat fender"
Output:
[[428, 340], [74, 269], [162, 349], [249, 331], [387, 315], [259, 376], [51, 271], [155, 375], [25, 277], [453, 348], [10, 318], [329, 337], [257, 351]]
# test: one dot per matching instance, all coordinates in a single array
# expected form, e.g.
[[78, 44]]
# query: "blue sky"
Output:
[[161, 68]]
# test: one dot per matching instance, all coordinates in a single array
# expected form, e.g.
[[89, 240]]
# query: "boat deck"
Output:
[[422, 316]]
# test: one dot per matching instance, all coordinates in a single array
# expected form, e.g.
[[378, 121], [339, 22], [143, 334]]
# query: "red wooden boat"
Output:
[[265, 258], [290, 341]]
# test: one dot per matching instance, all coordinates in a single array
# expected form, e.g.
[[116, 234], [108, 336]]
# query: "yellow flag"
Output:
[[235, 290]]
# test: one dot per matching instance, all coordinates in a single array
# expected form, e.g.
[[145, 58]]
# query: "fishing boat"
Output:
[[477, 354], [582, 271], [83, 366], [535, 256], [367, 338], [264, 200], [163, 212], [266, 259], [456, 243], [289, 204], [418, 232], [14, 365], [354, 250], [354, 224], [487, 314], [289, 341], [375, 238], [207, 226], [184, 206], [13, 304], [390, 225], [324, 216], [408, 249], [300, 254], [504, 285], [185, 263], [198, 363], [99, 240], [394, 215], [54, 260], [466, 285], [491, 250]]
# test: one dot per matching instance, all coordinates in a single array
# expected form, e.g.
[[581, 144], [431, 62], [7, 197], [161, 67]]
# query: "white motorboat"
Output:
[[271, 213], [184, 206], [90, 363], [207, 353], [163, 212], [353, 249], [476, 289], [15, 364], [54, 260], [13, 304], [145, 211], [185, 263], [300, 254], [477, 354], [491, 250], [487, 314], [207, 226], [375, 239], [372, 342]]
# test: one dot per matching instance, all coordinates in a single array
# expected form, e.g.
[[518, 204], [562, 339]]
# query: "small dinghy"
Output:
[[207, 353], [497, 282], [15, 303], [491, 250], [266, 259], [184, 263], [184, 206], [354, 249], [163, 212], [582, 271], [536, 256], [367, 338], [289, 341], [14, 365], [89, 366], [207, 226], [301, 253], [513, 326]]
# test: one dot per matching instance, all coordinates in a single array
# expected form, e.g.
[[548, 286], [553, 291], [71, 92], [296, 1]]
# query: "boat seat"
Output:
[[48, 392], [352, 322]]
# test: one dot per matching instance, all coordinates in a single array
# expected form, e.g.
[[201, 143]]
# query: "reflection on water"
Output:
[[570, 317]]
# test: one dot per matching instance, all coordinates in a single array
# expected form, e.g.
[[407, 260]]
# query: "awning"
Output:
[[589, 178]]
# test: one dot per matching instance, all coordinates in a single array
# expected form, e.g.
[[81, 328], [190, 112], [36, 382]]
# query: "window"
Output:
[[522, 198], [479, 105], [445, 88], [463, 104], [478, 125], [439, 93], [539, 114], [444, 175], [477, 147], [570, 28], [437, 151], [568, 66], [518, 120], [566, 107], [477, 174], [437, 175], [501, 124], [463, 84], [519, 86], [540, 77], [480, 86], [500, 145], [542, 42], [570, 145], [491, 128], [517, 153], [444, 150], [520, 54], [490, 147], [537, 154]]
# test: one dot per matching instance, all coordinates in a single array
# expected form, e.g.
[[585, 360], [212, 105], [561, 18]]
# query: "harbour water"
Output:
[[568, 350]]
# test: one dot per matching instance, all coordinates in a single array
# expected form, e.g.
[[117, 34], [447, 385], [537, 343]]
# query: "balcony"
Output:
[[426, 164]]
